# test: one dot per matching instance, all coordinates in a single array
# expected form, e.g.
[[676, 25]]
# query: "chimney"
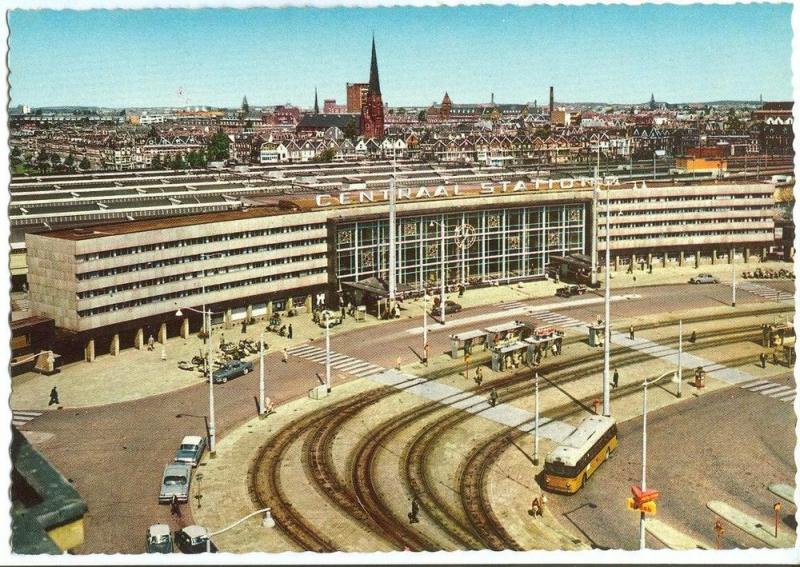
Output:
[[552, 103]]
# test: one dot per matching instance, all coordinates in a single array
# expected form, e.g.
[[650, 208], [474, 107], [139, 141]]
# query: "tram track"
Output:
[[362, 502]]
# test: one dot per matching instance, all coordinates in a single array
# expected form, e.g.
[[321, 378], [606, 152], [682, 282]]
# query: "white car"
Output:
[[191, 450], [703, 278]]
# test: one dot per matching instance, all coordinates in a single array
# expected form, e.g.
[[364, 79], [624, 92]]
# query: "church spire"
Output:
[[316, 102], [374, 81]]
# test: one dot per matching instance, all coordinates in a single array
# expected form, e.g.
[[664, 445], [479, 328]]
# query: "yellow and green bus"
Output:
[[569, 466]]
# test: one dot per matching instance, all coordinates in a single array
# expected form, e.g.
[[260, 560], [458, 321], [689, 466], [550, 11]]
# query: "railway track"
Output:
[[363, 502]]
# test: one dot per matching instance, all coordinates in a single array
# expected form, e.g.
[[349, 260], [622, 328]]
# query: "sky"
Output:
[[595, 53]]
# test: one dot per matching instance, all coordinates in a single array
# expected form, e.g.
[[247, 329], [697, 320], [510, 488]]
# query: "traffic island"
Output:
[[766, 531]]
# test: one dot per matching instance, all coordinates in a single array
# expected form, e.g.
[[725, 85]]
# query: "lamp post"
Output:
[[680, 356], [327, 317], [733, 277], [441, 277], [645, 384], [209, 372], [261, 408], [607, 329], [267, 522], [425, 322], [536, 421]]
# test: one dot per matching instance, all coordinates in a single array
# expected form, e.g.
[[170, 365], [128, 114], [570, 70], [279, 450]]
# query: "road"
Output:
[[115, 454], [727, 445]]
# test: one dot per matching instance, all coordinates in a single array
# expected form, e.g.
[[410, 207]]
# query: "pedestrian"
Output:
[[542, 504], [53, 397], [425, 354], [630, 332], [285, 355], [535, 508], [343, 312], [493, 397], [150, 342], [693, 337], [650, 269], [763, 359], [615, 379], [175, 508], [478, 376], [554, 348], [413, 516], [775, 356], [244, 327], [290, 330], [558, 344], [397, 365]]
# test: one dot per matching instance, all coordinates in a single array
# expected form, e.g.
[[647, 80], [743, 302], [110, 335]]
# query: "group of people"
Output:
[[537, 506]]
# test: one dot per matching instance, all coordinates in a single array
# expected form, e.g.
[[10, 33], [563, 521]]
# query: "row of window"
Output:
[[768, 235], [194, 241], [639, 212], [684, 222], [198, 275], [209, 289], [195, 258]]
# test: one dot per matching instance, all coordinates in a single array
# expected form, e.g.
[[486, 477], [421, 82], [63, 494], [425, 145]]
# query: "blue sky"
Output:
[[215, 56]]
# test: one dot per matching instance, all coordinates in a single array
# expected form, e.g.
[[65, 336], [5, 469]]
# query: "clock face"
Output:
[[464, 236]]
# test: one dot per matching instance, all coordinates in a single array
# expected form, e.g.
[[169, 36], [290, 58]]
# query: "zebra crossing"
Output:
[[766, 388], [762, 290], [23, 417], [558, 319], [512, 305], [354, 366]]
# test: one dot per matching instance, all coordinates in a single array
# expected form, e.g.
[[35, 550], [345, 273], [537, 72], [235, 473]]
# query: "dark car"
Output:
[[231, 370], [450, 307], [193, 539], [158, 539], [570, 290]]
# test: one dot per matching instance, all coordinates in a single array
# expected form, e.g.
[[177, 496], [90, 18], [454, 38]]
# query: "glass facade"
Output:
[[503, 245]]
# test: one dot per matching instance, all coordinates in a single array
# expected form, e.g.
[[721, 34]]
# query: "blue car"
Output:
[[231, 370]]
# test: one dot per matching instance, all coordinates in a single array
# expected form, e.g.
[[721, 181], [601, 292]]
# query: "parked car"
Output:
[[570, 290], [192, 539], [450, 307], [703, 278], [191, 450], [231, 370], [175, 482], [158, 539]]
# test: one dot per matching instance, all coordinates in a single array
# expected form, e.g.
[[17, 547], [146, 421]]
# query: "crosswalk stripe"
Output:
[[353, 365], [787, 397], [318, 357], [19, 423], [336, 357], [785, 390], [774, 389], [32, 414], [298, 351], [763, 387], [747, 385], [371, 372]]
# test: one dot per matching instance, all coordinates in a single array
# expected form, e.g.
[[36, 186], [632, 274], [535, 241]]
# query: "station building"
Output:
[[113, 285]]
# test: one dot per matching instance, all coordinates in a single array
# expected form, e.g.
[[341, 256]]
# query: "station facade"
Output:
[[114, 285]]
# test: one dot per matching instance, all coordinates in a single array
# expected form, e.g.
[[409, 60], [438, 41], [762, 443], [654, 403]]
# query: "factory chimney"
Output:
[[552, 103]]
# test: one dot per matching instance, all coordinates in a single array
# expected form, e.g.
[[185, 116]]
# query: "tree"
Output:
[[70, 160], [55, 159], [421, 116], [85, 164], [733, 122], [178, 163], [155, 163], [326, 155], [350, 129], [15, 152], [218, 147]]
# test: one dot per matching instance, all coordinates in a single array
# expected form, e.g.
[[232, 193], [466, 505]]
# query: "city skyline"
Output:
[[212, 57]]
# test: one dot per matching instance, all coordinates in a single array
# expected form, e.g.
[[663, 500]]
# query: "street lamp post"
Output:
[[209, 372], [444, 290], [536, 422], [425, 322], [733, 277], [644, 453], [607, 329], [680, 356], [267, 522], [328, 350], [261, 408]]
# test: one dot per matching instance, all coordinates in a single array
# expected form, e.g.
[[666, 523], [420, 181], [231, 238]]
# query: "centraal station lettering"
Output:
[[487, 188]]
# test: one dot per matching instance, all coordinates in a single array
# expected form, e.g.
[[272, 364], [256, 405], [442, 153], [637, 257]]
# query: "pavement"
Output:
[[107, 379]]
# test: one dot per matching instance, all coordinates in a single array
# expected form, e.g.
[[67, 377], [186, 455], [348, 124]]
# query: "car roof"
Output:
[[194, 531], [173, 468], [191, 440], [158, 530]]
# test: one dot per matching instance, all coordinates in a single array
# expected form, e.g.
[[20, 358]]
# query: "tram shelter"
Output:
[[507, 332], [465, 341]]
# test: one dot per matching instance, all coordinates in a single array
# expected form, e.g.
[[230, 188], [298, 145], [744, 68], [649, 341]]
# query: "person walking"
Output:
[[425, 354], [535, 507], [615, 379], [693, 337], [53, 397], [174, 507], [150, 342], [493, 397], [285, 355], [630, 332], [478, 375], [763, 359], [290, 330]]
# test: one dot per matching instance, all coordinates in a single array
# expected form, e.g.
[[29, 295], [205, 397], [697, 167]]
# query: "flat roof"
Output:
[[130, 227]]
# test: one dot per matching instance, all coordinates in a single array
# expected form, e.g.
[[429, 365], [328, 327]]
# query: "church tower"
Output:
[[372, 110], [447, 105]]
